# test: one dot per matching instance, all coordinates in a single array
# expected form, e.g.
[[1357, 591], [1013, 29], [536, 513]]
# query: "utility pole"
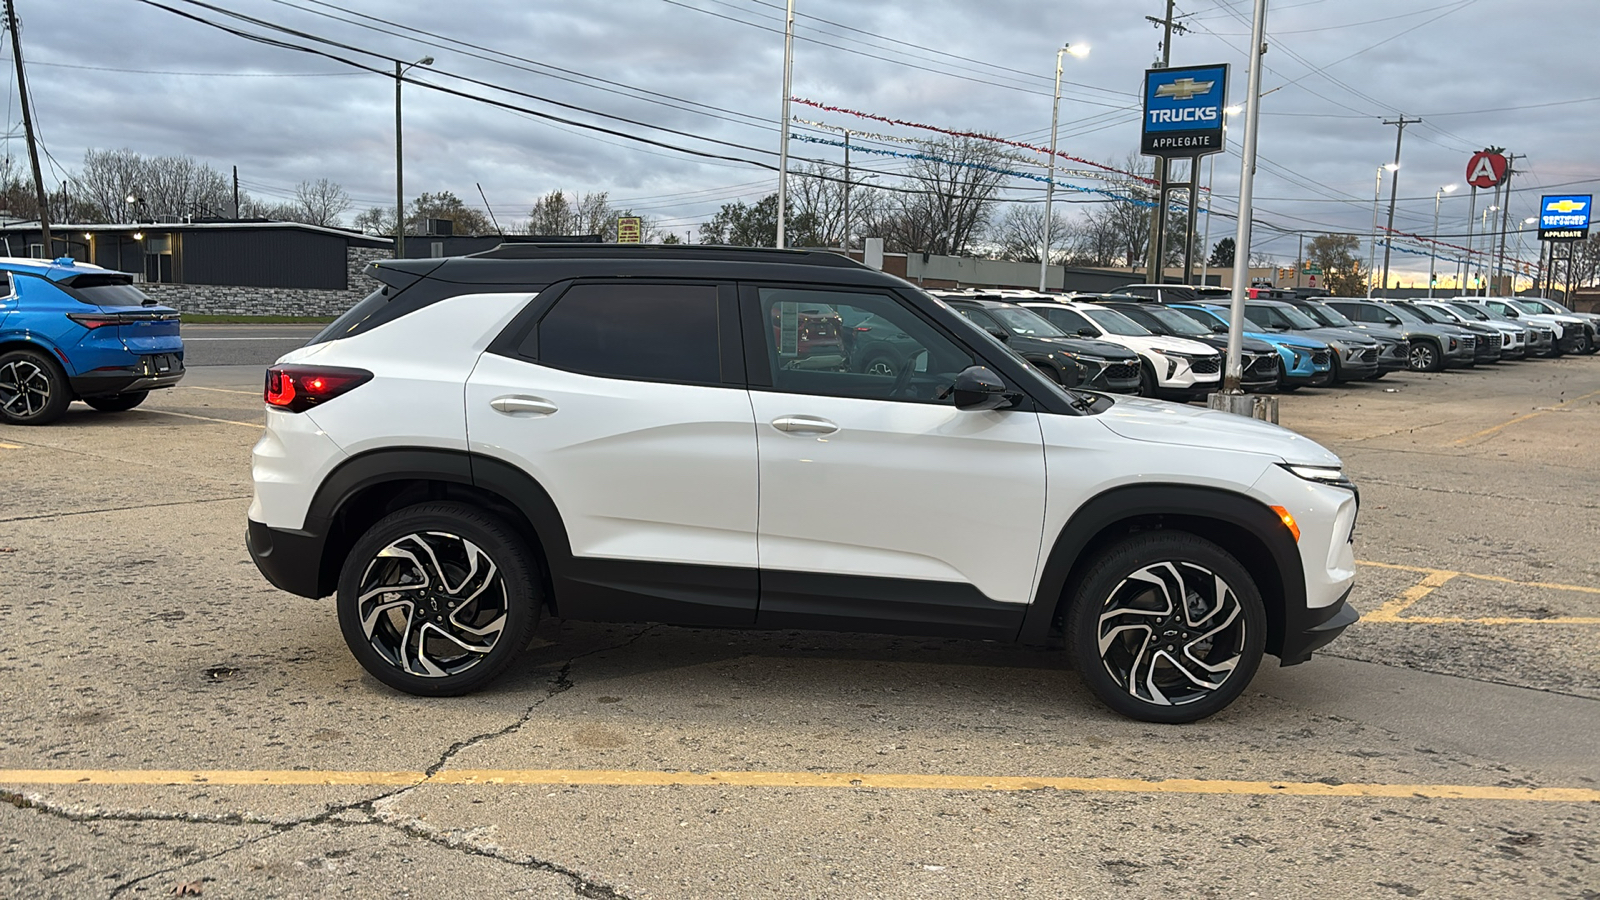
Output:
[[1300, 259], [236, 193], [783, 130], [27, 127], [847, 192], [1505, 218], [1155, 272], [1394, 188]]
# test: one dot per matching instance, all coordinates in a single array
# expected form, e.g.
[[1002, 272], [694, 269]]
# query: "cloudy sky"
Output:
[[706, 75]]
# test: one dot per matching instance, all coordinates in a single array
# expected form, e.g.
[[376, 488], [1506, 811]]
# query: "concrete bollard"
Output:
[[1256, 406]]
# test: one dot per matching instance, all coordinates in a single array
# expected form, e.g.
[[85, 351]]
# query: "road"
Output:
[[170, 720], [242, 345]]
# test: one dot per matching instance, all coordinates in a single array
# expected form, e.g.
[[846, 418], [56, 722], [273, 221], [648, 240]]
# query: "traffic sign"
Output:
[[1486, 169]]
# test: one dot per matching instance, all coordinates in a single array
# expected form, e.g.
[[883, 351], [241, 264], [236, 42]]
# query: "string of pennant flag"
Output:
[[970, 134], [980, 166]]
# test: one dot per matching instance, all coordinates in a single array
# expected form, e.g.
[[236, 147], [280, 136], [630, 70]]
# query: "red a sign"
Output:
[[1486, 169]]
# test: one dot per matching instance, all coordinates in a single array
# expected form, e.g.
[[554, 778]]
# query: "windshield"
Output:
[[1204, 317], [1169, 320], [1526, 306], [1405, 313], [1556, 306], [1449, 313], [1327, 315], [1115, 322], [1430, 315], [1297, 318], [1471, 312], [1021, 321]]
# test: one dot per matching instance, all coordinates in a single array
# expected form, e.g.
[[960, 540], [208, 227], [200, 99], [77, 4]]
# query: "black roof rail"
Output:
[[550, 251]]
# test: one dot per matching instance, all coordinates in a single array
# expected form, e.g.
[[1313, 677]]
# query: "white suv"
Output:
[[683, 435], [1174, 368]]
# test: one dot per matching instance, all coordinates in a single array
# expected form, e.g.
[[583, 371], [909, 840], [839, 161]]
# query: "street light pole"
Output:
[[400, 159], [783, 127], [1233, 374], [1433, 253], [1394, 189], [1377, 194], [1050, 181]]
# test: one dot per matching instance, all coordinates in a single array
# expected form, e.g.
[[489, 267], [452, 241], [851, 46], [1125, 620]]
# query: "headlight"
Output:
[[1329, 475]]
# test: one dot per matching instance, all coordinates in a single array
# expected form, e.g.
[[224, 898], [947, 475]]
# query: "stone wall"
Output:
[[231, 300]]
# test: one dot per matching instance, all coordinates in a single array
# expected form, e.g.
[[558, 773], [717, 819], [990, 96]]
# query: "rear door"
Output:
[[626, 403], [883, 507]]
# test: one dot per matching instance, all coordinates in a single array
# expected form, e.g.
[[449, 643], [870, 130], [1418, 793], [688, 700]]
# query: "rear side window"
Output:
[[640, 332], [104, 290]]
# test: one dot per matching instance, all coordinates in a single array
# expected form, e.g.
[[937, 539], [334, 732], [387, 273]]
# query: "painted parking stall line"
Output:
[[1433, 579], [757, 779]]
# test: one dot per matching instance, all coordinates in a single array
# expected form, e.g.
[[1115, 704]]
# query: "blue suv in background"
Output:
[[1305, 360], [70, 331]]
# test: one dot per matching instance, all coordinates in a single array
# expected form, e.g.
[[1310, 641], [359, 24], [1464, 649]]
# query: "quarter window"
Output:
[[634, 331]]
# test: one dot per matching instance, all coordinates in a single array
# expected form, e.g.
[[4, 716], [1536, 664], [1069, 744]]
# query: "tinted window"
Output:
[[1114, 322], [104, 290], [1025, 322], [1065, 319], [979, 317], [891, 354], [1429, 315], [636, 331]]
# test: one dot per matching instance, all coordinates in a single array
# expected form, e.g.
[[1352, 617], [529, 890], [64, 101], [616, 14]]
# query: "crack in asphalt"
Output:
[[110, 509], [376, 809]]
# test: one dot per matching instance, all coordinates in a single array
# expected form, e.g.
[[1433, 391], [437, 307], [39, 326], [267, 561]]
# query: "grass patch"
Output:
[[256, 320]]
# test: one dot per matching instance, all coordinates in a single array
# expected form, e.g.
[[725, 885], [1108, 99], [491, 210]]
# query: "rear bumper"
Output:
[[105, 384], [290, 559], [1316, 629]]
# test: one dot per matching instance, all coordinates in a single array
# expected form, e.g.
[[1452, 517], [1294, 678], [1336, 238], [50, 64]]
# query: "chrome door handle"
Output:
[[523, 406], [804, 425]]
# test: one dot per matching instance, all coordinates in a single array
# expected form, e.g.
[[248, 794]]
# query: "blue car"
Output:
[[70, 331], [1305, 360]]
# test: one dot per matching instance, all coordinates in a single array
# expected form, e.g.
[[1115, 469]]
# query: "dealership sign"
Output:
[[1564, 217], [1486, 169], [1183, 113]]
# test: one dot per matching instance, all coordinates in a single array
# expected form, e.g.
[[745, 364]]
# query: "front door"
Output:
[[626, 404], [883, 507]]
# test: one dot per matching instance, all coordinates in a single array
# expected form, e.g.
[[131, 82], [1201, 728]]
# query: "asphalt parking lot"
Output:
[[172, 723]]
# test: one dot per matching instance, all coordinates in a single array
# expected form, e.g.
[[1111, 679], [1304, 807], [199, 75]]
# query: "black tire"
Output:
[[117, 402], [1375, 375], [1586, 343], [33, 388], [1111, 657], [1148, 386], [1424, 356], [1050, 373], [495, 610]]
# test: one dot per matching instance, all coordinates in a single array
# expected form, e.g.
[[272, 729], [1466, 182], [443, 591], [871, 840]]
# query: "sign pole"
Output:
[[1241, 239], [783, 137]]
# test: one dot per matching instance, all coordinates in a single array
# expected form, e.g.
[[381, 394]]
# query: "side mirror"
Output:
[[999, 335], [1391, 320], [977, 388], [1088, 332], [1219, 328]]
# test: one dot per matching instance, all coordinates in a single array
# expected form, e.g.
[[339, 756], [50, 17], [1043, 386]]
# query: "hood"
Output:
[[1090, 347], [1160, 342], [1351, 336], [1292, 340], [1219, 343], [1181, 425], [1384, 332]]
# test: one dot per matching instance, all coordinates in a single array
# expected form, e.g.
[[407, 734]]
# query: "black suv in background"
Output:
[[1069, 360]]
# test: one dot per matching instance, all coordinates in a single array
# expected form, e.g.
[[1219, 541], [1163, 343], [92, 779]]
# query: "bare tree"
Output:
[[953, 197], [160, 187], [1019, 234], [320, 202], [376, 220], [816, 201]]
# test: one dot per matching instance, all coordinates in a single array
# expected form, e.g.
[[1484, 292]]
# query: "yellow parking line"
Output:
[[647, 778], [1488, 431], [167, 412], [10, 446], [1391, 610], [196, 387]]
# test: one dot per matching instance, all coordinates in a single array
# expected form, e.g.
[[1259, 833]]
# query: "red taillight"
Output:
[[298, 388], [91, 321], [863, 327]]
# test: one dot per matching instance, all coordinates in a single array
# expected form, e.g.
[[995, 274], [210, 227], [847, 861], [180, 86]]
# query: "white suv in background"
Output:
[[684, 435], [1174, 368]]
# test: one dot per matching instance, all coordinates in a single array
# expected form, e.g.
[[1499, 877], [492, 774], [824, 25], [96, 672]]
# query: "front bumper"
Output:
[[1112, 376], [1314, 629]]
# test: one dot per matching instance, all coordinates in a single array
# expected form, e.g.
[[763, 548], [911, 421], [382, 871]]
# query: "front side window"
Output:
[[889, 354], [1069, 321], [641, 332]]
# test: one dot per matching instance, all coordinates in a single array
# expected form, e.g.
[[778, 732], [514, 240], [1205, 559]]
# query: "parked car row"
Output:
[[1177, 336]]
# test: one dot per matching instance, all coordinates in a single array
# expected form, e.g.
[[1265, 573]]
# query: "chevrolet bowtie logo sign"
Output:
[[1184, 89], [1565, 206]]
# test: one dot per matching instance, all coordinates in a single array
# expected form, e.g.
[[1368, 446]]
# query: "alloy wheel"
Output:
[[1171, 633], [1423, 358], [24, 388], [432, 604]]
